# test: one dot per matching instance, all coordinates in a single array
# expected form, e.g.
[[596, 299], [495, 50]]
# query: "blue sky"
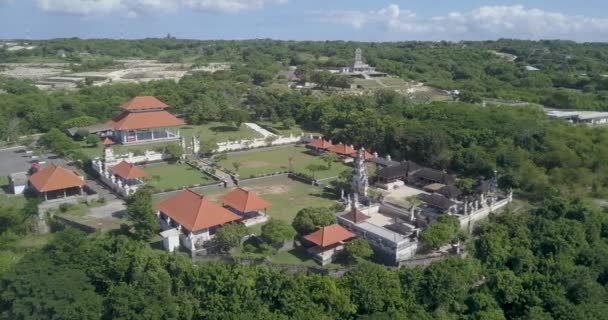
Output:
[[306, 19]]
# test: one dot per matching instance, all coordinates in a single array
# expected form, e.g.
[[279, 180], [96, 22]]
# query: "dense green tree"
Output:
[[358, 249], [373, 288], [229, 236], [277, 231], [440, 232], [142, 214], [310, 219]]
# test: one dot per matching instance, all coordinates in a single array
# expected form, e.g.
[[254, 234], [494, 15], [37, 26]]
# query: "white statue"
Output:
[[360, 181]]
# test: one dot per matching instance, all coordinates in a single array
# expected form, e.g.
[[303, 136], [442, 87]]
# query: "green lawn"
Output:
[[367, 84], [7, 199], [265, 162], [218, 131], [174, 176]]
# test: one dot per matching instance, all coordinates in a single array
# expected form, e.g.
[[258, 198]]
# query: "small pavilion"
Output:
[[194, 216], [144, 119], [328, 242], [246, 204], [128, 173], [54, 182], [355, 215]]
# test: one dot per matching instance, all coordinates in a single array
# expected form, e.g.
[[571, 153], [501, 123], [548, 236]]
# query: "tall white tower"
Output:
[[360, 181]]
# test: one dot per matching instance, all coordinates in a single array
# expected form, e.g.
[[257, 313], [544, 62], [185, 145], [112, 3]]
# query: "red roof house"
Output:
[[128, 171], [244, 200], [195, 212], [366, 155], [329, 236], [56, 180], [108, 142], [144, 103]]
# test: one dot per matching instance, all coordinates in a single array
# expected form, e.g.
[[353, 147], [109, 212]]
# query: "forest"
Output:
[[549, 262]]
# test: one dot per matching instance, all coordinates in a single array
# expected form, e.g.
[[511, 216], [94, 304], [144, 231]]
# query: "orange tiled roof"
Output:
[[127, 170], [320, 144], [144, 102], [366, 155], [355, 216], [244, 200], [54, 178], [194, 212], [108, 142], [342, 149], [329, 235], [144, 120]]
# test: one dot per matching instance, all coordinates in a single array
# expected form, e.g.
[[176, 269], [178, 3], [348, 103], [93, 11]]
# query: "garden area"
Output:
[[174, 176], [292, 158]]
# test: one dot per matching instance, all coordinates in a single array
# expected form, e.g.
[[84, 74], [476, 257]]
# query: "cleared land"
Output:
[[295, 130], [174, 176], [278, 160]]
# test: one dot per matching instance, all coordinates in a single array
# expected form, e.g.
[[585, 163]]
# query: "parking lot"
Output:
[[17, 160]]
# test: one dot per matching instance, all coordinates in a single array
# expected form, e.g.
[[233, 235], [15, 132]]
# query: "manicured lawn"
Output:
[[218, 131], [174, 176], [265, 162], [367, 84], [97, 151]]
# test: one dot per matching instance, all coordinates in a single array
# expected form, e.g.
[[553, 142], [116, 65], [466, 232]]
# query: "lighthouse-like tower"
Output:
[[360, 181]]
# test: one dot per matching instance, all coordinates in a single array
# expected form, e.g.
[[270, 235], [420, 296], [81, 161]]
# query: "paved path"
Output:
[[254, 126], [112, 209]]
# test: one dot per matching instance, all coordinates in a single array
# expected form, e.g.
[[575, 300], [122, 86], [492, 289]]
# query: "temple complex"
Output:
[[144, 119]]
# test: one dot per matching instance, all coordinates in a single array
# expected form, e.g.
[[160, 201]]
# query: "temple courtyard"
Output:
[[256, 163]]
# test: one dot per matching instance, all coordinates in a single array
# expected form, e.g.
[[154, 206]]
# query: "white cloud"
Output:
[[229, 6], [133, 8], [486, 22]]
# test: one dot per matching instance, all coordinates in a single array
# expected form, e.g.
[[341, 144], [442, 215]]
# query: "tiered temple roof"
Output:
[[144, 113]]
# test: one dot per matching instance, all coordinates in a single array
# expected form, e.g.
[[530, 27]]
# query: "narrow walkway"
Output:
[[255, 127]]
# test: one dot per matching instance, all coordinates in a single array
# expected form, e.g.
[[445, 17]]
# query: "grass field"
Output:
[[277, 160], [174, 176], [394, 82], [286, 196], [7, 199], [367, 84]]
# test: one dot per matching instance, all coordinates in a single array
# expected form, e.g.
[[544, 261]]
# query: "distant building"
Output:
[[579, 117], [360, 69], [328, 242], [144, 119], [248, 205]]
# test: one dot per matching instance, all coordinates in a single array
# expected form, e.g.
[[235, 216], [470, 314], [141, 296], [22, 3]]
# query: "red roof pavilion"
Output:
[[321, 144], [143, 103], [127, 170], [195, 212], [244, 200], [330, 235], [342, 149], [53, 178]]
